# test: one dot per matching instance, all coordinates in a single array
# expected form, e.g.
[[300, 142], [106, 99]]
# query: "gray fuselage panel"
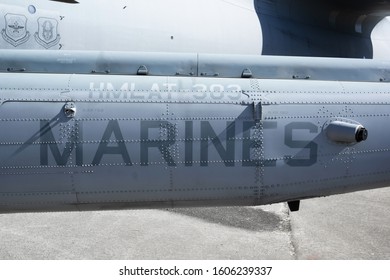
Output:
[[144, 140]]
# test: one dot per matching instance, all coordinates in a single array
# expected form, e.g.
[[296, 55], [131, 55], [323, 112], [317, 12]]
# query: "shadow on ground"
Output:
[[248, 218]]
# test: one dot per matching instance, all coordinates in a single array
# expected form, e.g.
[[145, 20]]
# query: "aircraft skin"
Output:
[[176, 110], [330, 28]]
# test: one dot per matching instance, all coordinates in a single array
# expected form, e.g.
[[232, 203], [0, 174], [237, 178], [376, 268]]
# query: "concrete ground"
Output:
[[352, 226]]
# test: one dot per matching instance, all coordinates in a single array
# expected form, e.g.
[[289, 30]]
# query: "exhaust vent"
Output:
[[340, 131]]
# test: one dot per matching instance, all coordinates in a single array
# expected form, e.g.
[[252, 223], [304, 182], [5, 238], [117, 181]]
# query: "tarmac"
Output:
[[350, 226]]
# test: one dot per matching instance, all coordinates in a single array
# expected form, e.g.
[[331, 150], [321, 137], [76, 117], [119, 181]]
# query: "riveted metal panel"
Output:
[[306, 162], [121, 156], [36, 155]]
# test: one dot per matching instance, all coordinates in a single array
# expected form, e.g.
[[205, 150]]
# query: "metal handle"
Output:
[[70, 110]]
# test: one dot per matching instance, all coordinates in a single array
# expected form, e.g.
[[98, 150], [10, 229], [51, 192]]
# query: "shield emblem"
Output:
[[47, 35], [15, 31]]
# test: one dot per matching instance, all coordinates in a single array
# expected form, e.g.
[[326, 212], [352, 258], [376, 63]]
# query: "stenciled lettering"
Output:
[[159, 91], [48, 142], [163, 145], [159, 138], [252, 146], [119, 147], [189, 142], [301, 144], [226, 154], [107, 90]]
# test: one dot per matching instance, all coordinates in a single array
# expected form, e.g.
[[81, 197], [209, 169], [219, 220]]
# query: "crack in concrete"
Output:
[[288, 225]]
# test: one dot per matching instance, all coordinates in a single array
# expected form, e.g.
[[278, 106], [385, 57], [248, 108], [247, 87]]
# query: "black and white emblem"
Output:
[[47, 35], [15, 31]]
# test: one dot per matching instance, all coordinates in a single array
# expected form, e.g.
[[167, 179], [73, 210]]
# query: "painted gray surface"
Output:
[[351, 226], [143, 140], [326, 28], [193, 64], [150, 128], [194, 26]]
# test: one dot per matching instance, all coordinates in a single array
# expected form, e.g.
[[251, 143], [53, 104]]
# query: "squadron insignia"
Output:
[[15, 31], [47, 35]]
